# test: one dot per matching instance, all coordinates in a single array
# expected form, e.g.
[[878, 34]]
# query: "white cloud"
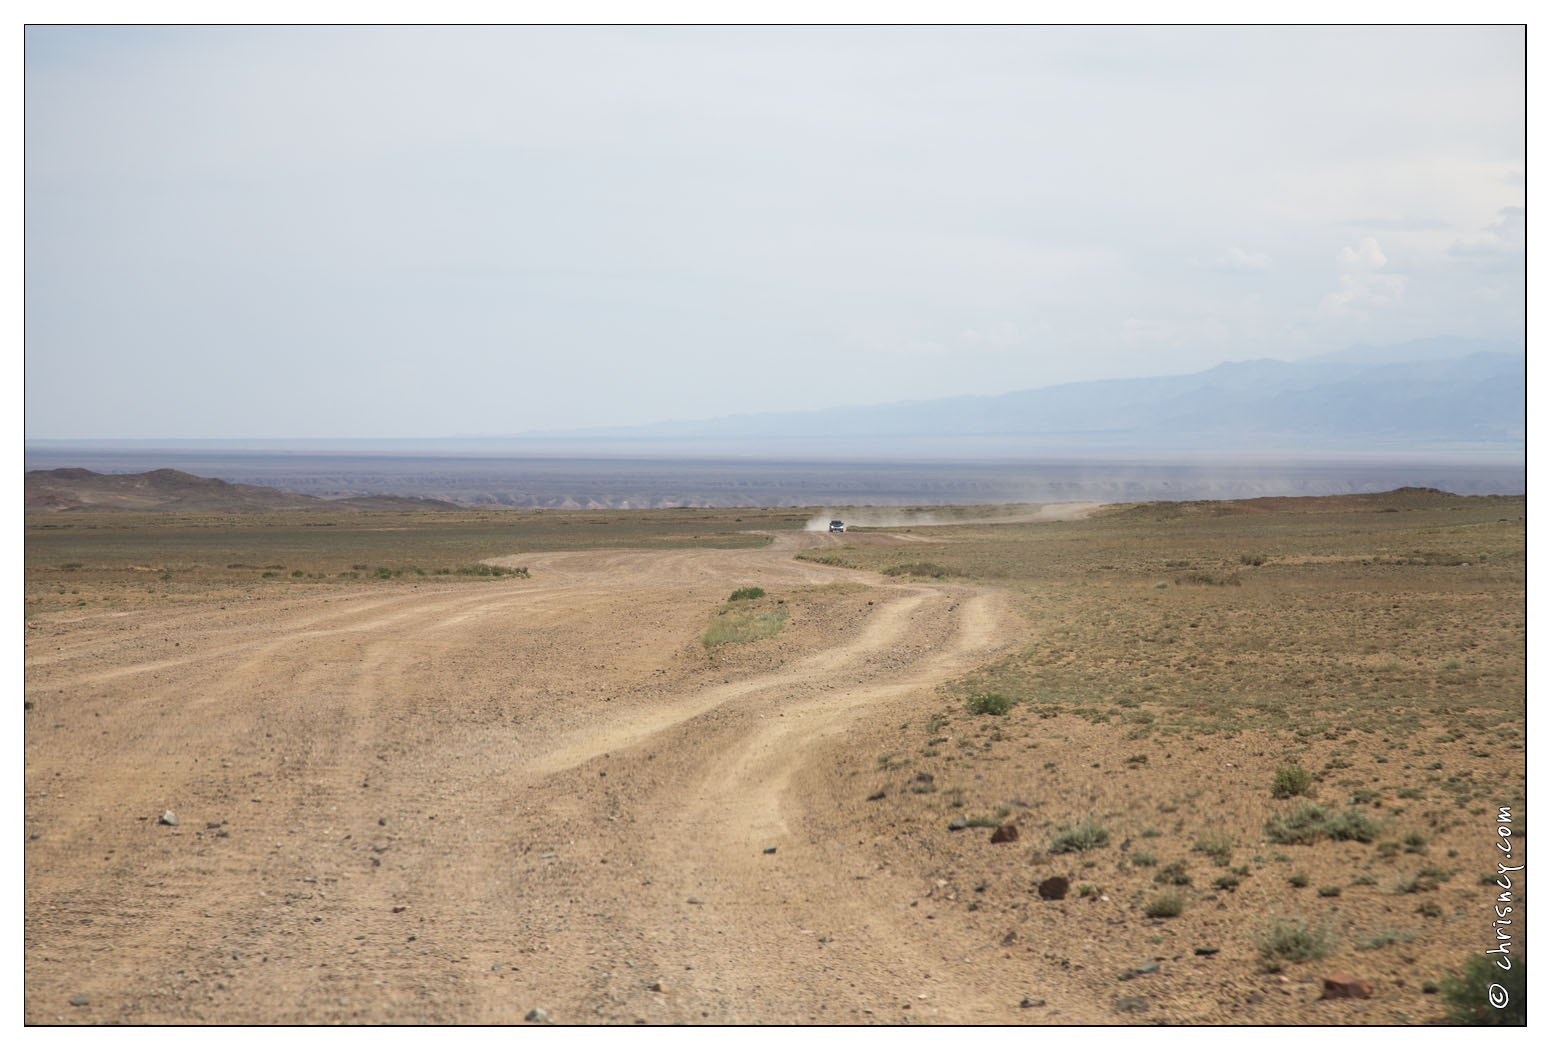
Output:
[[1363, 288], [1504, 237], [1240, 261]]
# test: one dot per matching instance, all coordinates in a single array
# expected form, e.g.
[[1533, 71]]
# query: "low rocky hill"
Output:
[[77, 489]]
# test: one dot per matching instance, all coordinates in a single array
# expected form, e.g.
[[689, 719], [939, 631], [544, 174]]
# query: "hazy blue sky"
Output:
[[427, 232]]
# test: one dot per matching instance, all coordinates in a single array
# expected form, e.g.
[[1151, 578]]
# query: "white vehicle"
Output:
[[837, 526]]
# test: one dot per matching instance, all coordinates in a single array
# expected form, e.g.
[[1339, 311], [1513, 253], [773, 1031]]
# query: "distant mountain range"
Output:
[[1421, 395], [77, 489]]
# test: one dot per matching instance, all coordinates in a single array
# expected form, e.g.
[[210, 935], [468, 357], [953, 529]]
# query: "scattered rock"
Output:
[[1054, 888], [923, 778], [769, 850], [1150, 967], [1027, 1002], [658, 987], [958, 823], [80, 1000], [1207, 950], [1131, 1003], [1345, 987], [169, 818], [538, 1014], [694, 901], [1007, 833], [879, 794]]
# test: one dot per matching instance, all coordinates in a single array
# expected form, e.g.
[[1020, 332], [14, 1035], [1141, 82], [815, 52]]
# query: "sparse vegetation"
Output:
[[1309, 822], [989, 704], [746, 593], [1087, 834], [1292, 941]]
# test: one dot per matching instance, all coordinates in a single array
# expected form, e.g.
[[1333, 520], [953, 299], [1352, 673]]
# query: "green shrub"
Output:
[[1173, 873], [1142, 859], [1171, 903], [1291, 780], [744, 593], [1227, 881], [1085, 835], [990, 704], [1469, 996], [1292, 941], [1309, 822], [1299, 879], [1331, 891]]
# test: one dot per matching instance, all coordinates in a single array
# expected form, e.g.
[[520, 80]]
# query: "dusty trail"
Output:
[[456, 801]]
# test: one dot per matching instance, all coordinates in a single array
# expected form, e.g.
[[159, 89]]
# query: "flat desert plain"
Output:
[[1148, 763]]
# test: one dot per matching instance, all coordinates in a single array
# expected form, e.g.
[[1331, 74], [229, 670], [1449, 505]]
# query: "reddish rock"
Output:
[[1345, 987], [1005, 833], [1054, 888]]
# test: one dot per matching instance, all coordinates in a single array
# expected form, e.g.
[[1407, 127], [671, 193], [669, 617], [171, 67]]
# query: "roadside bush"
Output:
[[743, 593], [1469, 996]]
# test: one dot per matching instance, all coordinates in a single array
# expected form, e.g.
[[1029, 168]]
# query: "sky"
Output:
[[430, 232]]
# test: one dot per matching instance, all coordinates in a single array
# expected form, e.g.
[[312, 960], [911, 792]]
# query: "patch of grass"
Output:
[[746, 593], [1142, 859], [1292, 941], [918, 569], [989, 704], [1087, 834], [1216, 845], [1174, 874], [1331, 891], [1227, 881], [1467, 996], [738, 624]]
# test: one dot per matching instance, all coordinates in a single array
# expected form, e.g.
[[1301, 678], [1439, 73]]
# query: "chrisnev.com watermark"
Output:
[[1496, 995]]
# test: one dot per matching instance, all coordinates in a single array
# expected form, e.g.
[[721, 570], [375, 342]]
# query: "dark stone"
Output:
[[922, 778], [1054, 888], [1207, 950], [958, 824], [1027, 1002], [1007, 833], [80, 1000], [1345, 987], [538, 1014], [769, 850], [879, 794], [1131, 1003]]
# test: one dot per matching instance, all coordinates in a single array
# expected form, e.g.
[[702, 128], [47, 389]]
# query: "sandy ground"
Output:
[[454, 802]]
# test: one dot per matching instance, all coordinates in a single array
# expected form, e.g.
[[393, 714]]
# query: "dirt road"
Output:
[[454, 802]]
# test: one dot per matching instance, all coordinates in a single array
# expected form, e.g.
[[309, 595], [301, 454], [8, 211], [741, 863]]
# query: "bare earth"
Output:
[[453, 804]]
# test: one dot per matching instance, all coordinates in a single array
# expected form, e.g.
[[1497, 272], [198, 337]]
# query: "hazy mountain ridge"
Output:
[[1428, 392]]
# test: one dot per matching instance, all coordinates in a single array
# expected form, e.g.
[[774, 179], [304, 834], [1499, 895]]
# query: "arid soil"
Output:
[[444, 801], [456, 804]]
